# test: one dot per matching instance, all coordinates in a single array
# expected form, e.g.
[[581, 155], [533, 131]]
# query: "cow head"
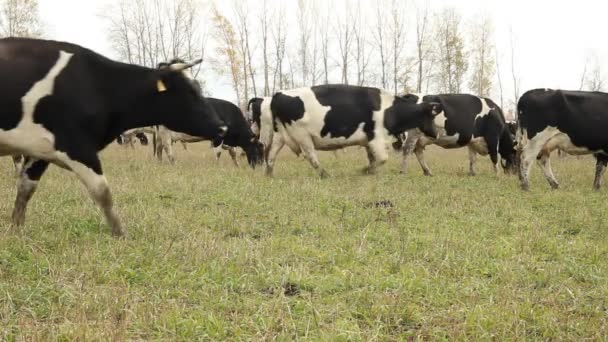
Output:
[[507, 150], [255, 108], [143, 139], [428, 112], [254, 152], [177, 100]]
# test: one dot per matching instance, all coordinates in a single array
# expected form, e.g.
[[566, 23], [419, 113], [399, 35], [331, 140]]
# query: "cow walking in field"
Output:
[[467, 120], [262, 124], [574, 122], [128, 138], [62, 103], [331, 117]]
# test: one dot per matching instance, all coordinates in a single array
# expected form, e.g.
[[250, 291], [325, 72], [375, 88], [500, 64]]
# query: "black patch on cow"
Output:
[[460, 111], [349, 108], [286, 109], [19, 74], [255, 107]]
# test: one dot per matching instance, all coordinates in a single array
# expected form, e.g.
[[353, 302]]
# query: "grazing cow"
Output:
[[261, 122], [128, 138], [574, 122], [62, 103], [239, 135], [331, 117], [466, 120]]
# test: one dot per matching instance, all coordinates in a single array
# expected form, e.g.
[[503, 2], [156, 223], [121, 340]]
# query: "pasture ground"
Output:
[[217, 253]]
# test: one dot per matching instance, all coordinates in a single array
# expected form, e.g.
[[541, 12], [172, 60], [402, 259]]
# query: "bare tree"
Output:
[[398, 33], [583, 76], [452, 57], [380, 35], [423, 47], [362, 56], [313, 68], [304, 26], [243, 27], [482, 56], [499, 79], [264, 25], [325, 46], [344, 35], [20, 18], [515, 76], [228, 59], [147, 32], [279, 35], [596, 80]]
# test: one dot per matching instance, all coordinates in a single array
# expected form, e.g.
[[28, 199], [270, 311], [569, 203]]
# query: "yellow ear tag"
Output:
[[161, 86]]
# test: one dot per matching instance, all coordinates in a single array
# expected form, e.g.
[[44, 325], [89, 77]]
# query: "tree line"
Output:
[[262, 46]]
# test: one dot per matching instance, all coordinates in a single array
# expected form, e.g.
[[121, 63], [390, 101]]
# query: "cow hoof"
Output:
[[525, 187], [472, 174], [596, 187], [555, 186], [428, 174], [323, 174]]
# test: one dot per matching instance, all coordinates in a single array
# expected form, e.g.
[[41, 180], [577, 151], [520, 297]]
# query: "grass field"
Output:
[[216, 253]]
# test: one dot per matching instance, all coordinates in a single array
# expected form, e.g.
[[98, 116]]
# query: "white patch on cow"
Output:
[[95, 183], [479, 145], [440, 120], [563, 142], [266, 129], [30, 138], [313, 121], [485, 109], [217, 150]]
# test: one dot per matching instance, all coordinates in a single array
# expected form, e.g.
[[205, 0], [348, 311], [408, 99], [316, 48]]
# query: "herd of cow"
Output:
[[62, 104]]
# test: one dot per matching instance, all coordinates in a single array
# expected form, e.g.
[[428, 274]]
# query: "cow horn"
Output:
[[184, 66]]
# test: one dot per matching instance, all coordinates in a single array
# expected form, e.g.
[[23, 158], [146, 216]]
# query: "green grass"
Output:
[[217, 253]]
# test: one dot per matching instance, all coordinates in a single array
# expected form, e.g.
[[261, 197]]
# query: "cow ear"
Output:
[[436, 108], [160, 86]]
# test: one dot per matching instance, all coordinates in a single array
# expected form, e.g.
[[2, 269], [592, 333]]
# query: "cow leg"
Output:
[[154, 144], [600, 168], [217, 151], [28, 182], [169, 151], [472, 160], [530, 152], [271, 155], [371, 168], [377, 155], [408, 147], [184, 146], [18, 164], [544, 160], [233, 155], [419, 150], [158, 147], [308, 149], [90, 174]]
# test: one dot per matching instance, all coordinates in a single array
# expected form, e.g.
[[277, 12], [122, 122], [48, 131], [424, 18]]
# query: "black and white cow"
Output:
[[128, 138], [466, 120], [574, 122], [332, 117], [261, 122], [62, 103], [239, 134]]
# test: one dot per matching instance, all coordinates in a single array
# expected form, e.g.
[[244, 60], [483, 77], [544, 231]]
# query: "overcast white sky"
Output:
[[554, 37]]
